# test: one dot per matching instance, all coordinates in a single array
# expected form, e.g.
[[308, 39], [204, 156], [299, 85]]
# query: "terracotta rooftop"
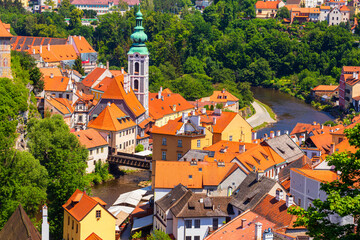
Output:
[[169, 103], [322, 141], [104, 84], [169, 174], [222, 120], [24, 43], [80, 204], [4, 31], [90, 138], [317, 175], [82, 45], [344, 9], [170, 128], [93, 76], [93, 236], [230, 146], [112, 119], [62, 105], [267, 5], [275, 211], [48, 71], [329, 88], [116, 90], [344, 146], [235, 231], [56, 84], [103, 2], [351, 69], [56, 53], [222, 97]]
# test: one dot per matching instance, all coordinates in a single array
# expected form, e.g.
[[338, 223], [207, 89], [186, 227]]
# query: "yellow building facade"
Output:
[[172, 147], [5, 50], [85, 215]]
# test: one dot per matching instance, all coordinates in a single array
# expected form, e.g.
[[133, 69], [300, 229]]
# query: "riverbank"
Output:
[[263, 117]]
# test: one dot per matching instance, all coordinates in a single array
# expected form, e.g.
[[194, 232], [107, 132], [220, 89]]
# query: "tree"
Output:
[[64, 8], [22, 180], [283, 13], [50, 3], [139, 148], [194, 65], [50, 141], [75, 18], [343, 197], [158, 235], [78, 66]]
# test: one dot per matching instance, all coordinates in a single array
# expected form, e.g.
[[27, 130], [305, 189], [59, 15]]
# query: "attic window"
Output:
[[256, 159], [248, 200], [179, 104], [162, 108], [190, 176], [265, 156], [200, 169], [191, 205], [62, 79], [292, 148], [152, 99], [282, 151]]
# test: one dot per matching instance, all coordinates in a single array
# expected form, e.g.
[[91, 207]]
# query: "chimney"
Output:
[[40, 49], [332, 148], [214, 120], [159, 93], [221, 164], [278, 133], [203, 111], [286, 132], [322, 126], [192, 112], [272, 134], [33, 51], [254, 134], [79, 37], [314, 123], [223, 91], [122, 70], [268, 235], [45, 224], [109, 103], [51, 75], [258, 231], [107, 65], [265, 136], [184, 117], [218, 112], [289, 200], [243, 222], [242, 148], [279, 194], [259, 174], [48, 47]]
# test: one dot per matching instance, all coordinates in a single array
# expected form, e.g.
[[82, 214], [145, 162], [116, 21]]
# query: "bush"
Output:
[[139, 148]]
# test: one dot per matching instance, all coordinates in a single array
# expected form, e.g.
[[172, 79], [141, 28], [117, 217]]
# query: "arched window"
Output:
[[136, 85], [137, 68]]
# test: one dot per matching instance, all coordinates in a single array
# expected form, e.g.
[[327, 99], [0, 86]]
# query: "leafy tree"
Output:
[[90, 13], [194, 65], [57, 149], [75, 18], [64, 8], [139, 148], [343, 197], [50, 3], [283, 13], [78, 66], [193, 86], [22, 180], [158, 235]]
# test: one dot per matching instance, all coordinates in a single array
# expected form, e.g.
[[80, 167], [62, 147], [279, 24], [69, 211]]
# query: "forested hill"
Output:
[[193, 53]]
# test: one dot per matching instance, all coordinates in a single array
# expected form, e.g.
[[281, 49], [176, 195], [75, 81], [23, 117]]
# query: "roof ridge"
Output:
[[23, 220], [107, 110]]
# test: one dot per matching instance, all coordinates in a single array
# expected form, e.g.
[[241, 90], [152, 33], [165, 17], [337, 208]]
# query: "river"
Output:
[[289, 110], [111, 190]]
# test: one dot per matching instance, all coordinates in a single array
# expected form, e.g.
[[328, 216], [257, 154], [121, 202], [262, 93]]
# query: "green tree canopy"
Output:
[[51, 142], [343, 197]]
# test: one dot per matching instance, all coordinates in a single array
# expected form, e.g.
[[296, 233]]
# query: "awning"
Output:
[[142, 222], [131, 198], [115, 210], [144, 153]]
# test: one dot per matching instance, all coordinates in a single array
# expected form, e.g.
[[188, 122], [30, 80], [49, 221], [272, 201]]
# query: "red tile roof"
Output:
[[233, 230], [62, 105], [55, 84], [222, 97], [170, 128], [267, 5], [330, 88], [323, 176], [351, 69], [169, 103], [116, 90], [92, 77], [93, 236], [48, 71], [3, 31], [112, 119], [57, 53], [80, 204], [344, 9], [275, 211], [168, 174], [90, 138], [82, 45], [104, 84], [222, 121]]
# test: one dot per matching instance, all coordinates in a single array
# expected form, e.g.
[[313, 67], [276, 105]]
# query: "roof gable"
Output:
[[56, 83], [90, 138], [93, 76]]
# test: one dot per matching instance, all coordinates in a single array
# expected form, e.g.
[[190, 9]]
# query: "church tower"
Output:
[[138, 63]]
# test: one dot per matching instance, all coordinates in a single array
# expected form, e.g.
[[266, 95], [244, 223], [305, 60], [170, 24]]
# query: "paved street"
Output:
[[260, 116]]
